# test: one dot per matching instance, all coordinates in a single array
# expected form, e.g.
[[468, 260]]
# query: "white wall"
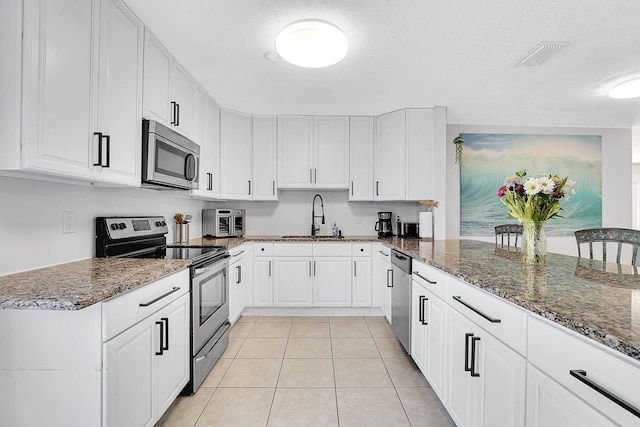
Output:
[[31, 218], [616, 178]]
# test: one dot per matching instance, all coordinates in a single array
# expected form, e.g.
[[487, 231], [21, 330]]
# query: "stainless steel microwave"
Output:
[[169, 160], [223, 222]]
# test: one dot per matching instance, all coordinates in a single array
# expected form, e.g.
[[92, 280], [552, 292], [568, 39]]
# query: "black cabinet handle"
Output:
[[161, 352], [473, 356], [467, 367], [178, 115], [475, 310], [99, 163], [352, 188], [166, 333], [424, 314], [389, 283], [581, 375], [315, 175], [273, 188], [314, 268], [377, 184], [210, 175], [421, 301], [310, 176], [108, 138], [147, 304], [354, 269], [239, 275], [269, 268], [173, 107], [424, 278], [249, 187]]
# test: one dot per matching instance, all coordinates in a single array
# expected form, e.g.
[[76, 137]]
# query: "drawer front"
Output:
[[262, 249], [292, 249], [361, 249], [332, 249], [556, 351], [430, 278], [126, 310], [499, 317]]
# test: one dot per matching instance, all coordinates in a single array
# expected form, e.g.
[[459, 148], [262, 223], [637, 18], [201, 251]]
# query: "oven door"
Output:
[[209, 300]]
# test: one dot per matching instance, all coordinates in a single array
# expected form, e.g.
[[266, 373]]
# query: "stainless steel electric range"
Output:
[[145, 237]]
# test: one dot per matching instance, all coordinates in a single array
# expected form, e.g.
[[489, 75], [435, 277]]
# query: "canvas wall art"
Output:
[[489, 158]]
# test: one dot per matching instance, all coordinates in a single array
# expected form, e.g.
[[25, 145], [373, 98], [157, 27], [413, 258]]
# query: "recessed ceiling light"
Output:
[[312, 44], [627, 89]]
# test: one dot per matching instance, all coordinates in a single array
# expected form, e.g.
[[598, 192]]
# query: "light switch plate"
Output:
[[68, 222]]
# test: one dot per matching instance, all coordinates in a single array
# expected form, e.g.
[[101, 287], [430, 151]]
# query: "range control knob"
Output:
[[122, 226], [114, 226]]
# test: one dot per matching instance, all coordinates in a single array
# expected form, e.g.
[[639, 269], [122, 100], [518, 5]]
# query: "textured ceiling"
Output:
[[410, 53]]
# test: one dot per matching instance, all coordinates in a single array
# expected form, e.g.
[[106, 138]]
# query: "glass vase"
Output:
[[534, 243]]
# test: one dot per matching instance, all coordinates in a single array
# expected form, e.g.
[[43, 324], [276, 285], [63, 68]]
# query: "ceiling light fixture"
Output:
[[312, 44], [627, 89]]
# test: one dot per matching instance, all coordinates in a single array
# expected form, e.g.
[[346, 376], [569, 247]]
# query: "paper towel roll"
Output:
[[426, 224]]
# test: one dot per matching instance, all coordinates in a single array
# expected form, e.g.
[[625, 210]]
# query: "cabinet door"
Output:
[[332, 282], [503, 376], [57, 97], [361, 285], [463, 400], [419, 327], [381, 292], [263, 281], [213, 142], [264, 158], [235, 155], [156, 104], [292, 284], [331, 152], [295, 138], [119, 100], [182, 95], [390, 157], [129, 376], [201, 137], [173, 364], [236, 290], [436, 344], [361, 158], [420, 168], [549, 405]]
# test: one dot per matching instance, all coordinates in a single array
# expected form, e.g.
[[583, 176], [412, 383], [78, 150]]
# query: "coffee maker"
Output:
[[383, 226]]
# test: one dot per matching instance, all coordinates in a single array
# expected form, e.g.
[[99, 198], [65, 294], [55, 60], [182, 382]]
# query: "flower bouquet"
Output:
[[533, 201]]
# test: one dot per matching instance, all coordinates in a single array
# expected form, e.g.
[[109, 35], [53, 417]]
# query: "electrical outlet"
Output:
[[68, 222]]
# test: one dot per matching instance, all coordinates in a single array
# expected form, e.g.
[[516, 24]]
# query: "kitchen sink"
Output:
[[310, 237]]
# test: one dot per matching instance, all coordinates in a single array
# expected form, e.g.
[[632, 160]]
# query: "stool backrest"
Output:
[[621, 236]]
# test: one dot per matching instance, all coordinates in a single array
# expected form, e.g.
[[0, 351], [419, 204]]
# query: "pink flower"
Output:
[[501, 191]]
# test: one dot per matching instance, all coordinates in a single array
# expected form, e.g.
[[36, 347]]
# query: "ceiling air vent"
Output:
[[541, 53]]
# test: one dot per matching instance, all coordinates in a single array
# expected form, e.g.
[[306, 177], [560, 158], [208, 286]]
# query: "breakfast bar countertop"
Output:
[[79, 284], [602, 304]]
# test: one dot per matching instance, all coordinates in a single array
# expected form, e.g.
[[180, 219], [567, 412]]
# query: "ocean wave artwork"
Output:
[[489, 158]]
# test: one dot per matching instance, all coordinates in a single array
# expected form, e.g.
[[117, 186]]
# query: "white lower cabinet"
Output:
[[550, 405], [292, 285], [486, 383], [332, 282], [240, 283], [146, 366], [381, 280], [263, 275], [428, 336], [361, 286]]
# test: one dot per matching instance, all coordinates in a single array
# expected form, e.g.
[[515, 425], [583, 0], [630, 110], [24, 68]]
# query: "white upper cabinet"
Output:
[[120, 94], [403, 155], [168, 89], [79, 121], [202, 136], [390, 156], [236, 140], [264, 158], [313, 152], [361, 158]]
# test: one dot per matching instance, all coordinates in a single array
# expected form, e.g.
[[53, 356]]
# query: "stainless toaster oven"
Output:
[[223, 222]]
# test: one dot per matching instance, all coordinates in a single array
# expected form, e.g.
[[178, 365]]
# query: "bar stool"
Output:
[[508, 229]]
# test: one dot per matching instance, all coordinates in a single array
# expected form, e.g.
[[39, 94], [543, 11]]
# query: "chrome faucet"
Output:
[[313, 214]]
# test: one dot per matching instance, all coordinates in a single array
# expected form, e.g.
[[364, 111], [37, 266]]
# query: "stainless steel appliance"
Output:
[[145, 237], [383, 226], [223, 222], [169, 160], [401, 298], [409, 229]]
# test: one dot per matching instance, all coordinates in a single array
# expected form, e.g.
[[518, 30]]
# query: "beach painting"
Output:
[[489, 158]]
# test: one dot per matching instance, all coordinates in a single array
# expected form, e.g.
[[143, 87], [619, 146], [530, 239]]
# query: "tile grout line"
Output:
[[275, 389]]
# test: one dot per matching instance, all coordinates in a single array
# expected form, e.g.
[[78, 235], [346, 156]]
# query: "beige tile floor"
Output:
[[311, 371]]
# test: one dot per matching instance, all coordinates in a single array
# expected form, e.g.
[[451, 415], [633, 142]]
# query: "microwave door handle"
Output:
[[189, 167]]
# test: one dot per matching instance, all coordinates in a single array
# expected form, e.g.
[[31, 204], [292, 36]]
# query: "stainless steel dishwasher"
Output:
[[401, 298]]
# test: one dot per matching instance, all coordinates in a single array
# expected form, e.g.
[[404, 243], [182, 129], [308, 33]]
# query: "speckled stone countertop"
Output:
[[599, 301], [79, 284]]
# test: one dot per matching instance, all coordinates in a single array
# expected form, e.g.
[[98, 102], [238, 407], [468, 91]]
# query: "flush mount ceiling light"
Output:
[[312, 44], [627, 89]]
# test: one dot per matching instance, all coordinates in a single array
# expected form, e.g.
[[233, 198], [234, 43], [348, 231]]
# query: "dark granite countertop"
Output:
[[79, 284], [599, 301]]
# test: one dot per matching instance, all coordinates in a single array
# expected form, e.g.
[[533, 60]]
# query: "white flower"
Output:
[[568, 186], [546, 184], [532, 186]]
